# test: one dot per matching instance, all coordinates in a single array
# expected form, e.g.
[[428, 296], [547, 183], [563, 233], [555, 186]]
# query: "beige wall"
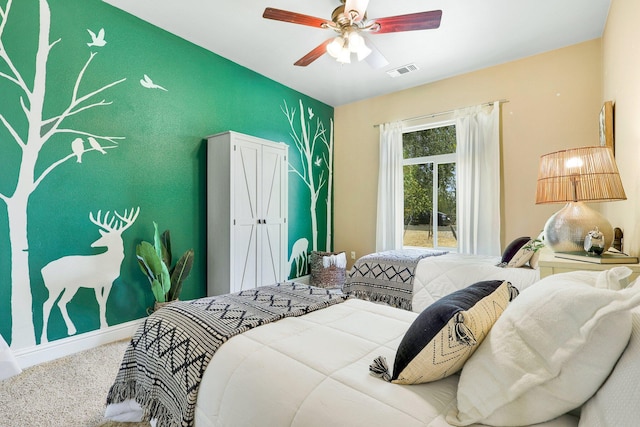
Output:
[[621, 77], [554, 102]]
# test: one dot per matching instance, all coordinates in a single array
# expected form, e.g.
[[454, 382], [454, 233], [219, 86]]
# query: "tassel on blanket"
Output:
[[513, 291], [393, 301], [463, 334], [339, 260], [380, 369]]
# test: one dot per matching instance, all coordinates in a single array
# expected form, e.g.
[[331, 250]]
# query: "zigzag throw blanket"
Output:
[[386, 276], [163, 365]]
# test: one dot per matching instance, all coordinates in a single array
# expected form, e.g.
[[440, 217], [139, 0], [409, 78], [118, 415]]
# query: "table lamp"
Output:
[[575, 176]]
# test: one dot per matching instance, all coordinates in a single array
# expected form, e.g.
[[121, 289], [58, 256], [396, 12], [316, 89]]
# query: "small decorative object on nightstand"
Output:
[[617, 239], [594, 242]]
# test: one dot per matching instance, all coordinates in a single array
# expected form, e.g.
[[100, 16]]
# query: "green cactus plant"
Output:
[[155, 262]]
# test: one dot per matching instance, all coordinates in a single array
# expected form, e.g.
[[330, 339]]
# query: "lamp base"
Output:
[[566, 229]]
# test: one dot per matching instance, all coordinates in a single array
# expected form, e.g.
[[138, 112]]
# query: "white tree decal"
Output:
[[39, 131], [306, 141]]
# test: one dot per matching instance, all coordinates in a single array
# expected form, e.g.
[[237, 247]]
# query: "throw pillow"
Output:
[[533, 261], [513, 248], [523, 256], [547, 354], [446, 333]]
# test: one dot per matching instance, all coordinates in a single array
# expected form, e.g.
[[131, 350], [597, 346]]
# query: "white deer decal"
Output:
[[299, 256], [64, 276]]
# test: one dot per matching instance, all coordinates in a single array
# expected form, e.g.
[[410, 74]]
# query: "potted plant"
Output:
[[155, 262]]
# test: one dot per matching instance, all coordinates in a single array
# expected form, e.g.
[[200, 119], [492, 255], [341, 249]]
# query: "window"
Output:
[[430, 169]]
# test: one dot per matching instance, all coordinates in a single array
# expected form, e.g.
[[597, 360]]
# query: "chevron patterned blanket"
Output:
[[387, 276], [163, 365]]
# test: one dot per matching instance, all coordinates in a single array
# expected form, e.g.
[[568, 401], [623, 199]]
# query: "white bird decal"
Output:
[[77, 146], [310, 113], [96, 145], [318, 161], [97, 40], [149, 84]]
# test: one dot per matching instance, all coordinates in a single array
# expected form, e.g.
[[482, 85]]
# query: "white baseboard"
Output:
[[301, 279], [66, 346]]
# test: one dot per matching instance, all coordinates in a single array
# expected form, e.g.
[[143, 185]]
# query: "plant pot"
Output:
[[158, 305]]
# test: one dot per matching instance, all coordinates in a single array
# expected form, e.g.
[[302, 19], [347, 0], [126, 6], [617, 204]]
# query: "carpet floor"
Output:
[[67, 392]]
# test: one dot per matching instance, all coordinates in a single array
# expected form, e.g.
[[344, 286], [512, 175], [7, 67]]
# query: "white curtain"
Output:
[[478, 165], [390, 189]]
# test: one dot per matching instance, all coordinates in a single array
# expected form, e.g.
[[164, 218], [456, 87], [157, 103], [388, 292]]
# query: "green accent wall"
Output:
[[159, 164]]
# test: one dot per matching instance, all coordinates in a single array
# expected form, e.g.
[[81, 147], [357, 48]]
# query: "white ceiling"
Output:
[[473, 34]]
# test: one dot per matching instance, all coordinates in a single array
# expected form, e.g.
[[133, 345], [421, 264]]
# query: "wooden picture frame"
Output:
[[606, 126]]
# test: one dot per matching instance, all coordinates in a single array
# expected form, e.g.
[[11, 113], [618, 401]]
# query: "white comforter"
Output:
[[313, 371], [438, 276]]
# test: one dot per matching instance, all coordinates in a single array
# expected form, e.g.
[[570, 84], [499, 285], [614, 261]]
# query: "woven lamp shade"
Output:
[[579, 174]]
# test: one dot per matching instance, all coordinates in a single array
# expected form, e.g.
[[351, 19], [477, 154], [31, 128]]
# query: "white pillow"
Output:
[[614, 278], [547, 354], [616, 402]]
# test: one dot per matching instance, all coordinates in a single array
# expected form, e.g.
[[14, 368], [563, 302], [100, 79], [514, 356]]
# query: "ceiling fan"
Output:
[[349, 20]]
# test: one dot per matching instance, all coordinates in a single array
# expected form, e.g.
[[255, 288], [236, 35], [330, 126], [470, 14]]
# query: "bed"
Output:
[[415, 278], [314, 369]]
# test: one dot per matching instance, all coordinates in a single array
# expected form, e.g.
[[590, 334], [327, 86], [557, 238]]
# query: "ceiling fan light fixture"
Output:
[[358, 46], [335, 47], [339, 49], [344, 57], [356, 42]]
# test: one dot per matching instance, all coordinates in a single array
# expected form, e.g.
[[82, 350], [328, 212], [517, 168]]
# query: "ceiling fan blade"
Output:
[[376, 59], [359, 6], [313, 55], [293, 17], [411, 22]]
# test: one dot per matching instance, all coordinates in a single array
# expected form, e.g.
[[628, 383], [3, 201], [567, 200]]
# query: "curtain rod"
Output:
[[442, 113]]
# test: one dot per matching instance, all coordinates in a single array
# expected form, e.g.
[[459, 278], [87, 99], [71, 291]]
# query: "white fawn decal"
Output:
[[64, 276], [299, 256]]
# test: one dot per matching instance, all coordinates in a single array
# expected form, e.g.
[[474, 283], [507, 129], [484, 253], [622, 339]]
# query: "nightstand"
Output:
[[549, 264]]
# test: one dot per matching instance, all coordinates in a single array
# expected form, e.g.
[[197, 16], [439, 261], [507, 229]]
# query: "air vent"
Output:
[[405, 69]]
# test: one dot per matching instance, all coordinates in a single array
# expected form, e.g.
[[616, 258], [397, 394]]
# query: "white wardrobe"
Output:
[[247, 190]]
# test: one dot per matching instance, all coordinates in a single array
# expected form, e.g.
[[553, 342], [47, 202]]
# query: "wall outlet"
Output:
[[353, 254]]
